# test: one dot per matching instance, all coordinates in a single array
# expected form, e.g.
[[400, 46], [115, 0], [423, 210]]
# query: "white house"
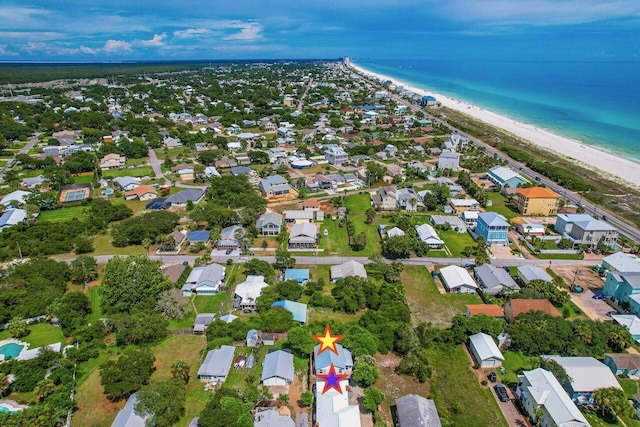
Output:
[[458, 280], [346, 269], [215, 367], [484, 351], [204, 280], [428, 235], [277, 368], [248, 292]]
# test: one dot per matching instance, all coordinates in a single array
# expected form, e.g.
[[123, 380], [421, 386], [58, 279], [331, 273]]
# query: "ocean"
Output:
[[596, 102]]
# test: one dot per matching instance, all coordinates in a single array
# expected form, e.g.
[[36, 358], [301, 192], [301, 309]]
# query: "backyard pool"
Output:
[[356, 184], [11, 351], [9, 406], [107, 192]]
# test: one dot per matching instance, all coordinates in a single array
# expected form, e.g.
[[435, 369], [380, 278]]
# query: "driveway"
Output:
[[510, 411], [592, 284]]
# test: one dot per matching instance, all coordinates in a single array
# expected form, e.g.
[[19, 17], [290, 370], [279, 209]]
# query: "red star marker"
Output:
[[328, 341], [332, 380]]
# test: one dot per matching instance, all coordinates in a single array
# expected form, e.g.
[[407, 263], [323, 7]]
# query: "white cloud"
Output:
[[116, 46], [249, 31], [32, 47], [192, 33], [4, 51], [87, 50], [157, 40]]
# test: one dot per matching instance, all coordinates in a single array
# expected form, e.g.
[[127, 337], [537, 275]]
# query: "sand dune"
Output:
[[585, 155]]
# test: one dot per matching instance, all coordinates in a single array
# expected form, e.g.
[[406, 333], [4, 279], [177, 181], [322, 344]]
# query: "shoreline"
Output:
[[588, 156]]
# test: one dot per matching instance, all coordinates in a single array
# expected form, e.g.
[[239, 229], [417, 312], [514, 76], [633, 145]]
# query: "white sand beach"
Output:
[[587, 156]]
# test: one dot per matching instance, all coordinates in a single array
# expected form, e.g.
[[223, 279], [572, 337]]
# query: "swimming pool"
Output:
[[11, 350], [3, 409], [356, 184]]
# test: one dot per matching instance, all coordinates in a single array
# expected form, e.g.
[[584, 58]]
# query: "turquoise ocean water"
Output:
[[596, 102]]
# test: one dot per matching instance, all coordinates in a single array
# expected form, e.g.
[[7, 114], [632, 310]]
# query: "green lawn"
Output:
[[561, 256], [596, 420], [95, 299], [514, 363], [210, 304], [453, 378], [136, 172], [63, 214], [427, 303], [499, 205], [629, 386], [336, 242], [83, 179], [102, 246], [455, 241], [41, 334], [358, 203]]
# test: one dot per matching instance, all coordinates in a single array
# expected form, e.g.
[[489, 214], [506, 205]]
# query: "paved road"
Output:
[[156, 165], [24, 150]]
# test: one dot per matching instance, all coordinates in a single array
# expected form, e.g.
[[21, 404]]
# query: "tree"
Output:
[[556, 369], [366, 374], [18, 327], [163, 400], [127, 374], [284, 259], [613, 402], [226, 409], [83, 245], [44, 388], [72, 311], [306, 398], [359, 241], [132, 282], [397, 247], [371, 214], [172, 304], [300, 341], [372, 398], [180, 370], [84, 269]]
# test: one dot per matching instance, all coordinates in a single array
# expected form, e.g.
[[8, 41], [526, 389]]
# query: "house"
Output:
[[173, 271], [450, 221], [300, 275], [199, 236], [343, 361], [156, 204], [229, 237], [457, 280], [204, 280], [536, 201], [127, 416], [491, 310], [248, 292], [33, 183], [455, 142], [303, 236], [385, 199], [269, 224], [624, 364], [171, 143], [311, 204], [127, 183], [505, 177], [112, 161], [470, 218], [629, 321], [515, 307], [484, 351], [277, 368], [583, 229], [228, 318], [587, 374], [394, 232], [449, 160], [202, 321], [275, 186], [11, 217], [297, 309], [332, 407], [297, 216], [543, 397], [427, 234], [182, 198], [177, 238], [416, 411], [532, 229], [216, 365], [462, 205], [494, 280], [428, 101], [336, 156], [210, 172], [407, 199], [144, 193], [269, 417], [348, 269], [493, 228], [17, 197], [185, 171], [527, 273], [619, 262]]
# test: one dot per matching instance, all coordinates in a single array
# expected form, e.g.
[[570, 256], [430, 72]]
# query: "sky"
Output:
[[97, 30]]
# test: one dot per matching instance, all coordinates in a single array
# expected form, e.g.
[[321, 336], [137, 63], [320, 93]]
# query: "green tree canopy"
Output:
[[163, 401]]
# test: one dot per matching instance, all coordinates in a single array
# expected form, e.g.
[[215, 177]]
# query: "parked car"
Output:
[[493, 377], [577, 289], [228, 251], [501, 391], [598, 296]]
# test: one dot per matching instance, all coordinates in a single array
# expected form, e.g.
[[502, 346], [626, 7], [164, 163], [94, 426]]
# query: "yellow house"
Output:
[[536, 201]]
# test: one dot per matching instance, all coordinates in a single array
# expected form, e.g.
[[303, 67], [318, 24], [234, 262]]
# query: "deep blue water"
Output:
[[596, 102]]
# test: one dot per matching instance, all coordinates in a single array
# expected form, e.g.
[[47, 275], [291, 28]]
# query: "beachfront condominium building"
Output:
[[536, 201], [336, 156]]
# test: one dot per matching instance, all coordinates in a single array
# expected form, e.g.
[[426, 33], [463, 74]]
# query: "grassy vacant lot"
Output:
[[514, 363], [41, 334], [336, 242], [499, 205], [102, 246], [210, 303], [83, 179], [455, 241], [94, 409], [63, 214], [135, 172], [453, 378], [427, 303], [358, 203]]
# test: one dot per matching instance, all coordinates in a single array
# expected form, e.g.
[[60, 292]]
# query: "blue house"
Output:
[[624, 287], [298, 309], [493, 227], [199, 236], [300, 275]]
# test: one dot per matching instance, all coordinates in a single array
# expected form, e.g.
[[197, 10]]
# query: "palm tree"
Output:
[[180, 370], [43, 388], [147, 244]]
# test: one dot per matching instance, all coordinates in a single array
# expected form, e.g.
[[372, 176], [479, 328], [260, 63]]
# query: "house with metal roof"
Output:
[[17, 197], [451, 221], [493, 228], [202, 236], [416, 411], [181, 199], [394, 232], [202, 321], [457, 280], [33, 182], [300, 275], [11, 217], [303, 235], [269, 417], [527, 273], [542, 396], [216, 365], [333, 409], [347, 269], [336, 156], [427, 234], [624, 287], [248, 292], [297, 309], [297, 216], [127, 416], [620, 262], [252, 338], [269, 224], [228, 318], [631, 322], [449, 160], [494, 280], [127, 183], [204, 280], [484, 351], [228, 238], [343, 361], [503, 176], [277, 368], [587, 374]]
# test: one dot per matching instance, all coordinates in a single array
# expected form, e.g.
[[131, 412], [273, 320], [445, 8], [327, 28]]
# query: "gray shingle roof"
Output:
[[185, 195], [416, 411]]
